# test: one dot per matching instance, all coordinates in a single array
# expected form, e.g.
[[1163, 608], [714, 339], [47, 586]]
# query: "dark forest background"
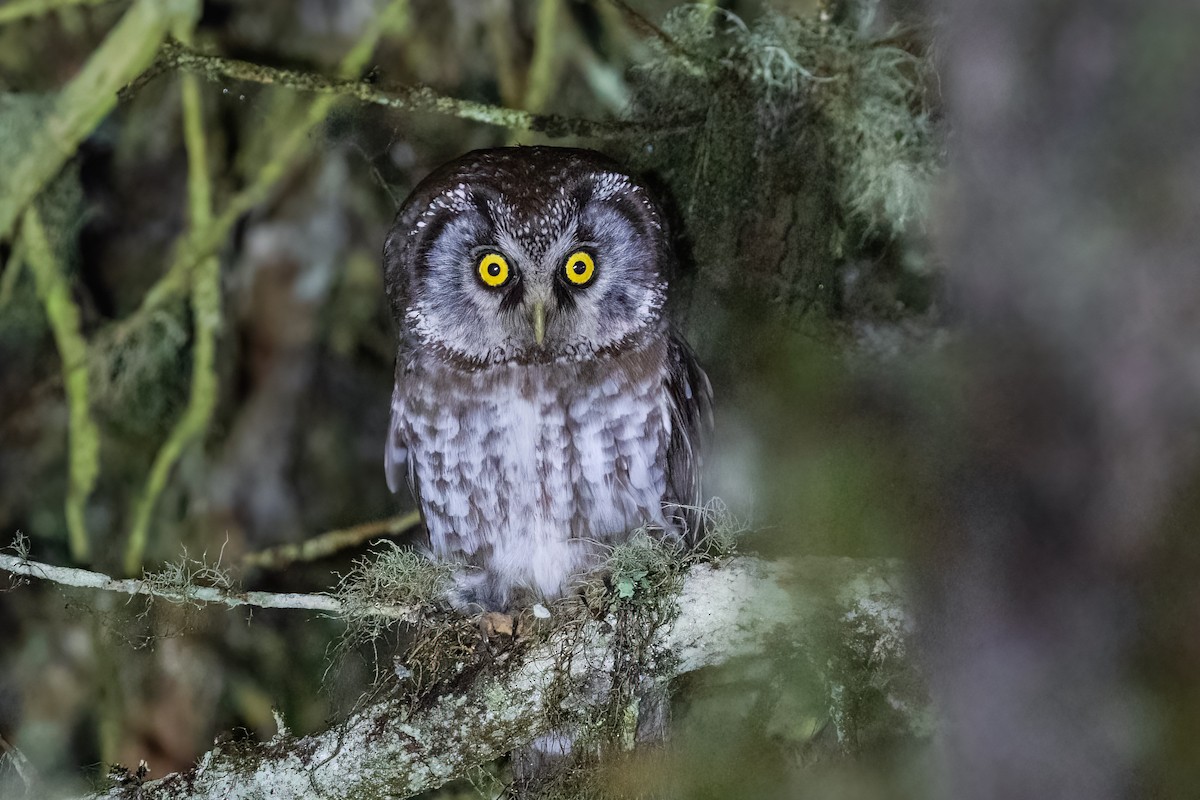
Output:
[[940, 261]]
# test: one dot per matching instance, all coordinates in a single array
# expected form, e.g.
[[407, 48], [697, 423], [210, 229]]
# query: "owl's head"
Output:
[[528, 254]]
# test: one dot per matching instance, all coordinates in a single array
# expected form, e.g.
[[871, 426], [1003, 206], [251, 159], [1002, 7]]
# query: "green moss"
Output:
[[393, 575], [143, 368], [644, 569], [181, 577], [389, 575]]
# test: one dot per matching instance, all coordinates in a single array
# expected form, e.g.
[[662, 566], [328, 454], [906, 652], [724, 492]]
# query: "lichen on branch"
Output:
[[741, 607], [409, 98]]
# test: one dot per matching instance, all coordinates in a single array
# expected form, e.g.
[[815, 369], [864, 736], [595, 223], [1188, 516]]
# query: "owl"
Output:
[[543, 408]]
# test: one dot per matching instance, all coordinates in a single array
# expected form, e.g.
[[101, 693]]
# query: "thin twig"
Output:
[[86, 579], [331, 542]]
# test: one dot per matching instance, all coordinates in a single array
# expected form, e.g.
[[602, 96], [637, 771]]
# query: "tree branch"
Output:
[[185, 592], [83, 437], [330, 542], [83, 102], [206, 324], [404, 98], [739, 608], [20, 9]]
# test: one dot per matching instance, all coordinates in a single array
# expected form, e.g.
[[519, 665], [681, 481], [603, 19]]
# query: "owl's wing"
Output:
[[397, 455], [690, 397]]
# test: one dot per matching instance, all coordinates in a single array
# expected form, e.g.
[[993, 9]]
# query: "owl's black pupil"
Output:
[[580, 268], [494, 270]]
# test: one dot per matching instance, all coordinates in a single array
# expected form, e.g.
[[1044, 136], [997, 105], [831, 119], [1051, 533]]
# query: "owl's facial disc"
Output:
[[570, 265], [548, 290]]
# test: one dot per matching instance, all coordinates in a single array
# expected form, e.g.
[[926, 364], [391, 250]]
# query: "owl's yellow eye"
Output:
[[580, 268], [493, 270]]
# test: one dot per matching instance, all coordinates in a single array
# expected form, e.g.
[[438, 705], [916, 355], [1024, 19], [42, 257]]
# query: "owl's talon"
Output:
[[493, 624]]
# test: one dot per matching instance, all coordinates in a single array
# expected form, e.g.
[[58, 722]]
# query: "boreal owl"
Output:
[[543, 408]]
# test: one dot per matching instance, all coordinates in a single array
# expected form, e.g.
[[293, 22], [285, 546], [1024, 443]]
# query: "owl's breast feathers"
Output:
[[528, 470]]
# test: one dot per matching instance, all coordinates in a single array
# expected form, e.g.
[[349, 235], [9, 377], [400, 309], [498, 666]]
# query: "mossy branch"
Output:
[[20, 9], [541, 67], [206, 324], [194, 266], [405, 98], [330, 542], [744, 607], [286, 155], [178, 584], [83, 443], [83, 103]]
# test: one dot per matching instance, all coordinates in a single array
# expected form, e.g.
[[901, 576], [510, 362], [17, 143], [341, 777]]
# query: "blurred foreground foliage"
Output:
[[216, 245]]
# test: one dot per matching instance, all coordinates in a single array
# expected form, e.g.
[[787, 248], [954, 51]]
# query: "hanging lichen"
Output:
[[813, 141]]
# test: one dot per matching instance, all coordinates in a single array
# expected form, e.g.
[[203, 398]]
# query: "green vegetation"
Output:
[[197, 353]]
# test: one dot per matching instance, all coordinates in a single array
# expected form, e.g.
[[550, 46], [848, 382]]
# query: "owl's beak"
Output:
[[538, 317]]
